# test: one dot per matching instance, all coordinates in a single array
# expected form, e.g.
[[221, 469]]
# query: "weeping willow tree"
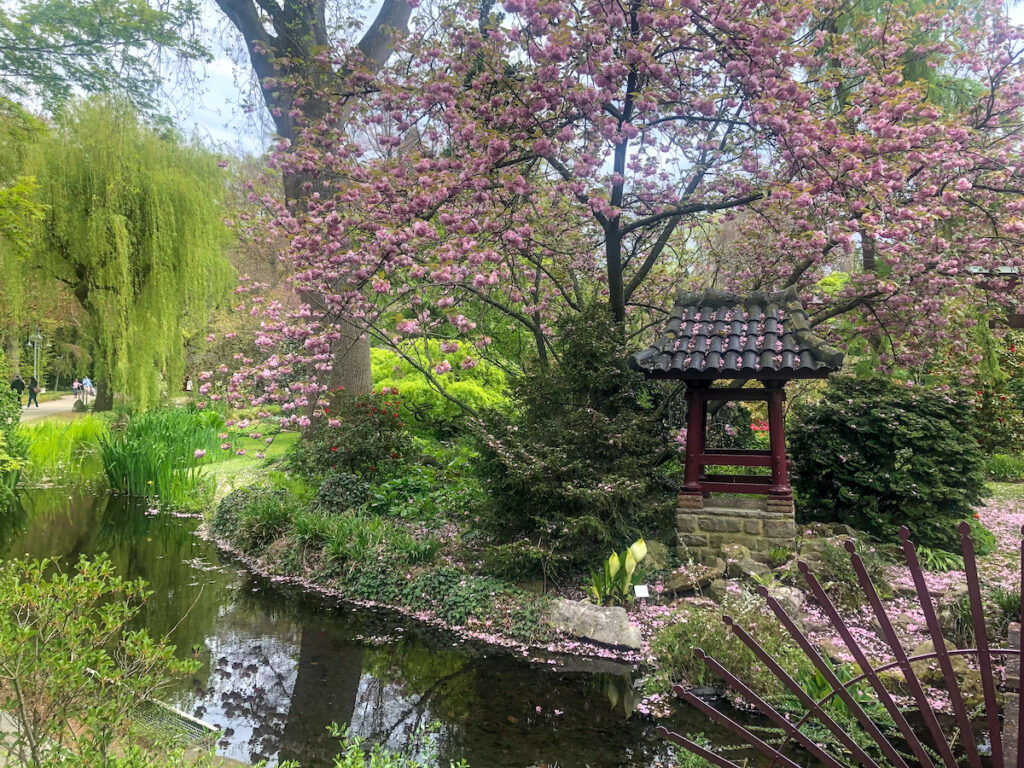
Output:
[[134, 229], [20, 216]]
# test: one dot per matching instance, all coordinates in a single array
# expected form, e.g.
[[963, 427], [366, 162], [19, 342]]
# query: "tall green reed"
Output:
[[63, 451], [160, 454]]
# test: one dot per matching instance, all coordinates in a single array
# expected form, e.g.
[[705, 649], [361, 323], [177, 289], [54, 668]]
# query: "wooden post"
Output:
[[695, 416], [777, 439]]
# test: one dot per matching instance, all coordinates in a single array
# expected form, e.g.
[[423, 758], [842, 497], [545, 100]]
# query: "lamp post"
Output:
[[35, 340]]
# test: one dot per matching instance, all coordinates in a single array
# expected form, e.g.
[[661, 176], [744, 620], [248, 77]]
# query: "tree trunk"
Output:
[[104, 397], [299, 35]]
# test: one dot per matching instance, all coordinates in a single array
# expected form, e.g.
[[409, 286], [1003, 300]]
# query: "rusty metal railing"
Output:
[[919, 745]]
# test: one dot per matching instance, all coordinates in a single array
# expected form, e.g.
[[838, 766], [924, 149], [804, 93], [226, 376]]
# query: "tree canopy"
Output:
[[133, 227], [511, 166], [52, 49]]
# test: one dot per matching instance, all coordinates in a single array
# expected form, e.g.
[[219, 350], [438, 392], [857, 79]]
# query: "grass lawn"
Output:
[[1004, 491], [235, 471]]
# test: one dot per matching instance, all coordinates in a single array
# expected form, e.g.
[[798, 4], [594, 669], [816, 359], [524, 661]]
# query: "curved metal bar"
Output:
[[988, 684], [791, 730], [868, 671], [802, 696], [916, 690], [830, 677], [763, 747], [711, 757], [939, 643]]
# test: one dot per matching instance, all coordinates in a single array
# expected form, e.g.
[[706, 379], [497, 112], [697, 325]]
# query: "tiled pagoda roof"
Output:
[[718, 335]]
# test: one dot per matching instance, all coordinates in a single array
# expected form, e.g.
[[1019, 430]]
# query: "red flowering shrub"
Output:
[[1000, 421], [363, 435]]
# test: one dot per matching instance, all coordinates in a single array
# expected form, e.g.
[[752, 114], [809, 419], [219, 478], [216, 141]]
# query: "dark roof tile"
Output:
[[723, 335]]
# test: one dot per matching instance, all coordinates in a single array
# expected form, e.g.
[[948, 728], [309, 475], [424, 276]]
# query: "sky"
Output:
[[212, 109]]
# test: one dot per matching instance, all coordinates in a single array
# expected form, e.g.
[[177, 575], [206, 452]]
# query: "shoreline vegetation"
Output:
[[384, 520]]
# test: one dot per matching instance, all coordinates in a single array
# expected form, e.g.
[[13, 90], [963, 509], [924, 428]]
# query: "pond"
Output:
[[278, 668]]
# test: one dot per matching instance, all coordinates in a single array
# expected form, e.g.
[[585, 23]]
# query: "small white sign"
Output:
[[640, 590]]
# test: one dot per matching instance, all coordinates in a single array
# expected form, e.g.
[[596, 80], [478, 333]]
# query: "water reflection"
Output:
[[277, 668]]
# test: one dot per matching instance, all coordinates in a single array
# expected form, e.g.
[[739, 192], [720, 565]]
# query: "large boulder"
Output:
[[740, 563], [609, 626], [693, 577]]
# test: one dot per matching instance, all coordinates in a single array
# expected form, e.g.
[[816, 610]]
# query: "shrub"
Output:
[[830, 563], [578, 468], [253, 517], [73, 671], [698, 624], [471, 381], [1000, 421], [11, 448], [341, 491], [877, 455], [362, 435]]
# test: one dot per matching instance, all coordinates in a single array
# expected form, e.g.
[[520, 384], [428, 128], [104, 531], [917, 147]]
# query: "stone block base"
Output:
[[704, 526]]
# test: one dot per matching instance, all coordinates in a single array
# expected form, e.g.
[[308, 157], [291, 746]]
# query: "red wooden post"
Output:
[[694, 437], [777, 439]]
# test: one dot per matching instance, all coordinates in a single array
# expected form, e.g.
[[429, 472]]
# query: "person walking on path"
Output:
[[86, 388], [33, 392], [18, 385], [76, 388]]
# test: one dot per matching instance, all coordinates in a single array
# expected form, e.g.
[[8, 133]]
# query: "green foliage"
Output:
[[71, 672], [473, 382], [1007, 610], [1006, 468], [155, 456], [59, 47], [778, 556], [695, 626], [134, 226], [831, 565], [11, 447], [577, 468], [939, 560], [340, 491], [613, 584], [876, 455], [464, 600], [815, 684], [367, 438], [1000, 421], [424, 492], [356, 754], [251, 518], [59, 449], [984, 539]]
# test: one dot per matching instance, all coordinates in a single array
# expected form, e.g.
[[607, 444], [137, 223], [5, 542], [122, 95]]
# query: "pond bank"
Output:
[[278, 667]]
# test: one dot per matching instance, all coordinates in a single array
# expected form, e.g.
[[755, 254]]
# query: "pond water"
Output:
[[278, 668]]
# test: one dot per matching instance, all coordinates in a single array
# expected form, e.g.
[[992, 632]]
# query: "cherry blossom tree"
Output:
[[512, 166], [302, 67]]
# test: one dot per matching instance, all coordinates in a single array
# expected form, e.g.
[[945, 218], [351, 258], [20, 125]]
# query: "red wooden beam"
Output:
[[733, 460]]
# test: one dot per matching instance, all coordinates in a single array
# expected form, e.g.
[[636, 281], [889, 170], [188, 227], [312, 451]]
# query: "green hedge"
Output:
[[877, 454]]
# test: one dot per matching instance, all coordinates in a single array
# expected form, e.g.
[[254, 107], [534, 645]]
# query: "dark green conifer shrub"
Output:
[[876, 454], [578, 469]]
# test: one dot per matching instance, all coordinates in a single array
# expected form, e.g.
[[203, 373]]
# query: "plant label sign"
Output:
[[640, 590]]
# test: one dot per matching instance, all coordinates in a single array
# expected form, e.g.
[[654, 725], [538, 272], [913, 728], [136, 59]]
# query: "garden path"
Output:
[[49, 408]]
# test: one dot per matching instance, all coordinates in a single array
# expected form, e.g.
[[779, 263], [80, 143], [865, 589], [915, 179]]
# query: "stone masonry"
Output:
[[761, 524]]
